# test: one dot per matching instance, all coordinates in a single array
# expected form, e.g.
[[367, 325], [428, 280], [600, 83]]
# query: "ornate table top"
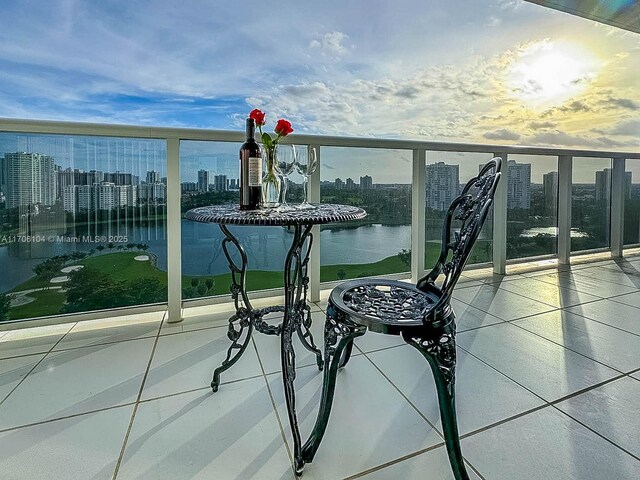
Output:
[[232, 215]]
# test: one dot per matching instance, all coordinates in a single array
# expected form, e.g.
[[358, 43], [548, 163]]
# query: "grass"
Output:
[[47, 302], [122, 266]]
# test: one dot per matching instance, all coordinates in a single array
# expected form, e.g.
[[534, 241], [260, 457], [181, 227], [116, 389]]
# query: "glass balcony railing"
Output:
[[379, 180], [91, 215]]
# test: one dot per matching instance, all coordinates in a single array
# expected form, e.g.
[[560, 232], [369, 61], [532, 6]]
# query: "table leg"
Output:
[[295, 303], [242, 318]]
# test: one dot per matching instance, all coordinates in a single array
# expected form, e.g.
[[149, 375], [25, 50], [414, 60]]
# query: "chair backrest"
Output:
[[462, 225]]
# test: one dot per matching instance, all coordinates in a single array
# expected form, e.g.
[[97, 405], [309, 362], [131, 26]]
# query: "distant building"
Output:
[[188, 187], [443, 184], [153, 177], [99, 196], [70, 177], [603, 185], [550, 192], [152, 193], [350, 184], [220, 183], [338, 184], [366, 183], [203, 180], [120, 178], [29, 178], [518, 185], [233, 184]]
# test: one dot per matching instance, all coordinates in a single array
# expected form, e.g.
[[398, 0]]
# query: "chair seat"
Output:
[[384, 306]]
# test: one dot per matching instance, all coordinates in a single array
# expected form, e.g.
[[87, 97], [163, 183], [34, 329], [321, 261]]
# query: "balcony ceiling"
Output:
[[623, 14]]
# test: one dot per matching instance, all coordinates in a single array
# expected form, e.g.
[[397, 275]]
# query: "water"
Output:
[[202, 254], [552, 232]]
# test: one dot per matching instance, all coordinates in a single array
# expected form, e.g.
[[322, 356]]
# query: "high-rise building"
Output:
[[350, 184], [99, 196], [29, 178], [338, 184], [518, 185], [366, 183], [550, 192], [203, 180], [443, 184], [220, 183], [153, 176], [188, 187], [603, 185], [69, 177], [120, 178]]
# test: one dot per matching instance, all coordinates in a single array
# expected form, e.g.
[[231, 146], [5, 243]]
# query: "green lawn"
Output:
[[122, 266], [47, 302]]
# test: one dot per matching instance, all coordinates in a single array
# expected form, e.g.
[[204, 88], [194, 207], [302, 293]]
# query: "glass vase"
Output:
[[271, 183]]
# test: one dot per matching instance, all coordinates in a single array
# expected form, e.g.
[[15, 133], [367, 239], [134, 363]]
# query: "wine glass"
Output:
[[286, 160], [306, 164]]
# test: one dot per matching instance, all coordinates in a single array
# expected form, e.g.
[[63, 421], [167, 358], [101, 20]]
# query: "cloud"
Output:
[[501, 134], [624, 103], [563, 139], [327, 166], [331, 44], [627, 127], [493, 21], [540, 125]]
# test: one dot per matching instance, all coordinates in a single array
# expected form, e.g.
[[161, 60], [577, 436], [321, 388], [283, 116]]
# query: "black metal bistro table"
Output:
[[297, 313]]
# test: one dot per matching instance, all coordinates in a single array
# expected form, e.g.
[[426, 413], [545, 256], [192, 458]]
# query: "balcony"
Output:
[[547, 330]]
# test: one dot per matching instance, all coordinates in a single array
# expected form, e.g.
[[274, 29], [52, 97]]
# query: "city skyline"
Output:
[[474, 71]]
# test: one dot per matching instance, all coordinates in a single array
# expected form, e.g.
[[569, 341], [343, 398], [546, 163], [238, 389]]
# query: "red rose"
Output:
[[283, 127], [258, 116]]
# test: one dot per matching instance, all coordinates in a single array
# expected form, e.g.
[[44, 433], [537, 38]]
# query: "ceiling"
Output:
[[623, 14]]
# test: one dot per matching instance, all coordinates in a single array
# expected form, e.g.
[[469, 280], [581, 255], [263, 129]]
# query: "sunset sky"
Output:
[[499, 71]]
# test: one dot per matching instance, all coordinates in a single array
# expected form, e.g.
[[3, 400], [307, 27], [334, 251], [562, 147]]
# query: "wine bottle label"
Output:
[[255, 171]]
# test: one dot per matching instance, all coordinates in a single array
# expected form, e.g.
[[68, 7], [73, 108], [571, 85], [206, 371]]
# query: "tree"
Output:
[[5, 305], [195, 282], [210, 282], [405, 257], [100, 248], [91, 289], [202, 290], [341, 274], [110, 246], [48, 269]]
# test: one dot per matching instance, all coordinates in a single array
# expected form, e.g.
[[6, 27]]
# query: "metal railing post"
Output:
[[565, 184], [174, 236], [418, 212], [618, 193], [314, 258], [500, 219]]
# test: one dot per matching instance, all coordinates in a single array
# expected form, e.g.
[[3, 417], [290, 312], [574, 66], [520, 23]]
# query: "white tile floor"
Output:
[[548, 384]]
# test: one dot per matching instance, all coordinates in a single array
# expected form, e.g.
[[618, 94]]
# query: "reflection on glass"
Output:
[[446, 174], [83, 225], [591, 203], [209, 176], [379, 180], [632, 203], [532, 203]]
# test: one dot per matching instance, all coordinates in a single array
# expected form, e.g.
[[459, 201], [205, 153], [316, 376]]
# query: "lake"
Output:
[[266, 247]]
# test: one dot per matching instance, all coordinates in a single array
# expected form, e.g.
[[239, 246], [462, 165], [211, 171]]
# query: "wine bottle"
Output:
[[250, 170]]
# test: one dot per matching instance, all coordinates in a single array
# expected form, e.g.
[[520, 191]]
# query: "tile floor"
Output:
[[548, 384]]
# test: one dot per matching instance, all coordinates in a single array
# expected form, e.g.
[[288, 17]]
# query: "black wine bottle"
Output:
[[250, 170]]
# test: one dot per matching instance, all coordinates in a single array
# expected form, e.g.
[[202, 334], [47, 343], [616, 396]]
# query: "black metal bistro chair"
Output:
[[421, 314]]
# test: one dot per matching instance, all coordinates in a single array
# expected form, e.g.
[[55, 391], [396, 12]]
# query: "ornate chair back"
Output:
[[462, 226]]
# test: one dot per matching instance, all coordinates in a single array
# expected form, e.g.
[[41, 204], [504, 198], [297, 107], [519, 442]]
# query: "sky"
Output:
[[473, 71]]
